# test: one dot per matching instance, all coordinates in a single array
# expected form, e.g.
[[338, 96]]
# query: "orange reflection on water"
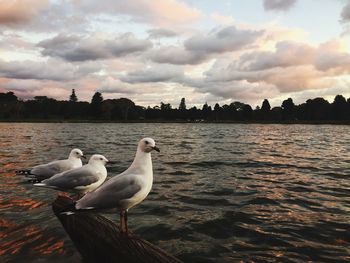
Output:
[[27, 203], [5, 224], [29, 235], [22, 238], [46, 248]]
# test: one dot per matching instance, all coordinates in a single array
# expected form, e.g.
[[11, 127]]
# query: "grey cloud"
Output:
[[78, 48], [126, 44], [278, 4], [117, 89], [345, 13], [222, 40], [155, 74], [240, 90], [293, 78], [50, 19], [336, 61], [202, 47], [50, 70], [161, 32], [287, 54], [326, 57], [177, 56], [12, 41]]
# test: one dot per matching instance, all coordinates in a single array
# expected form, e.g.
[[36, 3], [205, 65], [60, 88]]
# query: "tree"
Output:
[[124, 109], [206, 111], [247, 112], [217, 110], [238, 105], [264, 113], [265, 106], [316, 109], [9, 105], [339, 108], [73, 97], [165, 106], [182, 105], [8, 97], [97, 98], [288, 109], [96, 104]]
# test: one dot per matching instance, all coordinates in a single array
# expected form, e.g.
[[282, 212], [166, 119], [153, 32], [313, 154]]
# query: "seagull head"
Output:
[[76, 153], [147, 145], [98, 159]]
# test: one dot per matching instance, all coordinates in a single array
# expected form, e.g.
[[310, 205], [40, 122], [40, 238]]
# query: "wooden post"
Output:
[[98, 239]]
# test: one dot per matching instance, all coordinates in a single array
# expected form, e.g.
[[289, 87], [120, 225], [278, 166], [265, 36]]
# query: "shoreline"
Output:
[[300, 122]]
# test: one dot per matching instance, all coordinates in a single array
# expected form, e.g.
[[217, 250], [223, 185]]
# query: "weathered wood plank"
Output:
[[98, 239]]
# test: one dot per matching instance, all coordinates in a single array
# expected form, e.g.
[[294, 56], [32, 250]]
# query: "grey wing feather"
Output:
[[72, 179], [44, 171], [110, 194]]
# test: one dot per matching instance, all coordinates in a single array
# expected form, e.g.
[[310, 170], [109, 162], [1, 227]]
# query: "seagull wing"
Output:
[[44, 171], [111, 194], [73, 179]]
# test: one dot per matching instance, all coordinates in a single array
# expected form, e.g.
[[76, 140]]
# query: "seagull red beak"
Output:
[[156, 148]]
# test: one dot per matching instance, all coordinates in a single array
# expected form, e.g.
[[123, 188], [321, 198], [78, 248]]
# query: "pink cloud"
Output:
[[18, 12], [161, 13]]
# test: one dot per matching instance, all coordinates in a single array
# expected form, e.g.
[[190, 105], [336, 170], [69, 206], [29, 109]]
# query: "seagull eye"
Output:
[[101, 159], [146, 142]]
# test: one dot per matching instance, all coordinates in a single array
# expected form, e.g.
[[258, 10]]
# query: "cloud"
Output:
[[15, 12], [94, 47], [239, 90], [155, 74], [27, 89], [332, 56], [345, 13], [284, 79], [291, 67], [161, 32], [222, 40], [50, 70], [160, 13], [13, 41], [278, 4], [201, 47], [176, 55], [287, 54]]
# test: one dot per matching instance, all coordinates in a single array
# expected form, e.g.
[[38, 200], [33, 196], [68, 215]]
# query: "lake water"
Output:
[[221, 193]]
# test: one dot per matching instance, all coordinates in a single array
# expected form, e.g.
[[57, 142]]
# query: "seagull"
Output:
[[44, 171], [127, 189], [79, 180]]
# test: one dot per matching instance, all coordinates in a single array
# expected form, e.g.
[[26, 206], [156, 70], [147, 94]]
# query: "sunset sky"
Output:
[[153, 51]]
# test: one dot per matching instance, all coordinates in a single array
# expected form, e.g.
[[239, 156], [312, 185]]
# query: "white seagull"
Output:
[[127, 189], [80, 180], [44, 171]]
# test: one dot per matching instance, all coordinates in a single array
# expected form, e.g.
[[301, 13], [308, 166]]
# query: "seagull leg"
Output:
[[122, 222], [77, 196], [126, 221]]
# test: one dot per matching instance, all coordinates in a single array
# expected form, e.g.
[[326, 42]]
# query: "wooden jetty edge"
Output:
[[98, 239]]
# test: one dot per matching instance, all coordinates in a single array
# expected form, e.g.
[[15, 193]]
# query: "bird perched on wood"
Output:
[[79, 180], [127, 189], [45, 171]]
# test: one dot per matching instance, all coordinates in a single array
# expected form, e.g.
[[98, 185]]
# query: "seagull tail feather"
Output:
[[46, 185], [41, 184], [23, 172]]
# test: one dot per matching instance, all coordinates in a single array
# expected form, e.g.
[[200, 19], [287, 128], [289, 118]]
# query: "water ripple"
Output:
[[221, 193]]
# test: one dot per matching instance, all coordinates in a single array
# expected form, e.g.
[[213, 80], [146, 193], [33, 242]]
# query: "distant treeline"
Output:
[[123, 109]]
